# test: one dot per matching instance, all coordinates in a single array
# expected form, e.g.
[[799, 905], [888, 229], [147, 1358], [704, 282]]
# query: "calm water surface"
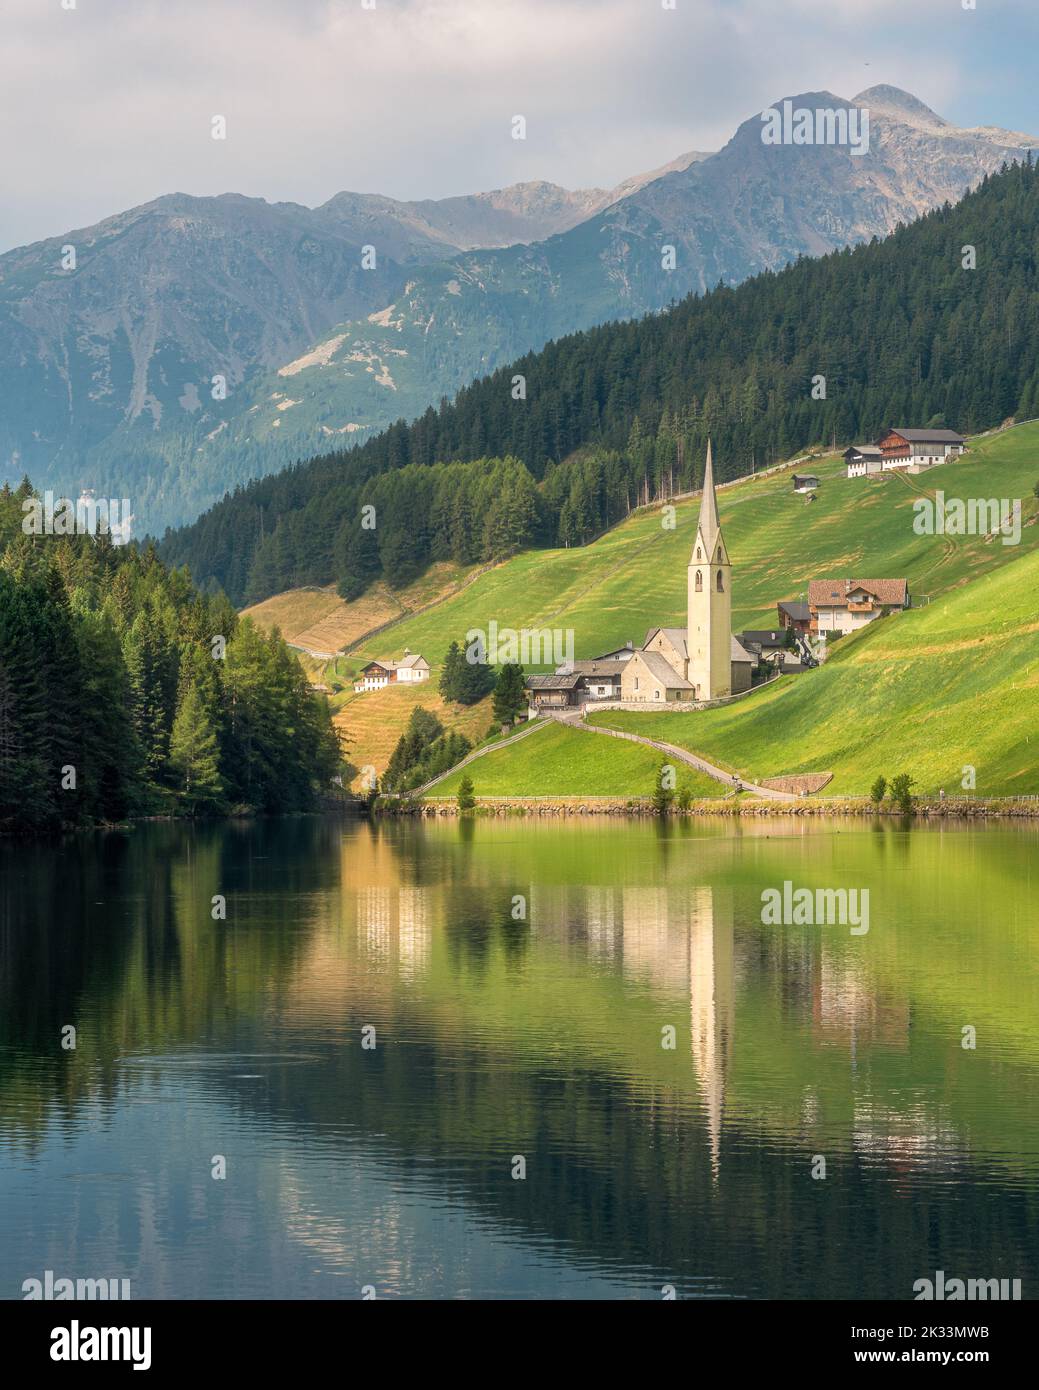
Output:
[[392, 1166]]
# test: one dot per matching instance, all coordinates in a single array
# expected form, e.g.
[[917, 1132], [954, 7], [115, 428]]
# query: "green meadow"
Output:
[[634, 578], [931, 692], [570, 762], [948, 686]]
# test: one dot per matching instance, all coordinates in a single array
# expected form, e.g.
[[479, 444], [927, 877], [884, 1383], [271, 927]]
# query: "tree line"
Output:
[[940, 319], [425, 749], [124, 691]]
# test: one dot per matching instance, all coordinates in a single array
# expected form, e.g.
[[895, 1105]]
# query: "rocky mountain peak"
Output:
[[893, 101]]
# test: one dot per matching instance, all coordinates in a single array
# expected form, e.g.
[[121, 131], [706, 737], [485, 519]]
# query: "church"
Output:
[[702, 661], [699, 662]]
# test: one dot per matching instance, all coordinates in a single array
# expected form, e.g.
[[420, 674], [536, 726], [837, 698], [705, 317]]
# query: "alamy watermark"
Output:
[[80, 1343], [972, 516], [88, 516], [945, 1290], [59, 1289], [496, 646], [788, 125], [818, 907]]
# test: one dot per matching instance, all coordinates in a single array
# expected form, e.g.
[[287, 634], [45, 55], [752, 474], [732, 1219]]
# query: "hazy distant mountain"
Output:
[[522, 213], [162, 299], [749, 208], [105, 372]]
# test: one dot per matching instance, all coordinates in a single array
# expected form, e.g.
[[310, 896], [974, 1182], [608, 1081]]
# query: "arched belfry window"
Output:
[[699, 581], [721, 583], [699, 553]]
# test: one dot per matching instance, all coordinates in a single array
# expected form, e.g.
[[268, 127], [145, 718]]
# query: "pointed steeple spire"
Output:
[[708, 526]]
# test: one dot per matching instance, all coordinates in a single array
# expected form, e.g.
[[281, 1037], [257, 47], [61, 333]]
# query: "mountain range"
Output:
[[905, 327], [112, 374]]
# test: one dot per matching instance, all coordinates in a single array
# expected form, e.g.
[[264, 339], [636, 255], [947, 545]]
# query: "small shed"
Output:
[[558, 691]]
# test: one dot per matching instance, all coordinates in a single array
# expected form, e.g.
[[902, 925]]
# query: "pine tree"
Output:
[[195, 753], [423, 730], [151, 663], [11, 770], [452, 674], [31, 785], [110, 693], [111, 752], [355, 557], [475, 679], [510, 695], [466, 794]]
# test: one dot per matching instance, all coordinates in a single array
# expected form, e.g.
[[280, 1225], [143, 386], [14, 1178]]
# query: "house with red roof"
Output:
[[839, 606]]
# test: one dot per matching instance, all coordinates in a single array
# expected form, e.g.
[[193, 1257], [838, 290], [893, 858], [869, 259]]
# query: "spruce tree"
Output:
[[510, 695], [195, 753], [452, 674], [466, 794], [476, 680], [355, 557]]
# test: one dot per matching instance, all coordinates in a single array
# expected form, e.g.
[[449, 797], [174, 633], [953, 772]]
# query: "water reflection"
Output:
[[669, 1067]]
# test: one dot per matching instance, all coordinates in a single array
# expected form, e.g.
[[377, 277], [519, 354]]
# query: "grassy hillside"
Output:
[[896, 327], [568, 762], [635, 576], [372, 723], [929, 693], [319, 621]]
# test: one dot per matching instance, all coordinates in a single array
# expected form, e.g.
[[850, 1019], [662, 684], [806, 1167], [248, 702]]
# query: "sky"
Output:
[[106, 104]]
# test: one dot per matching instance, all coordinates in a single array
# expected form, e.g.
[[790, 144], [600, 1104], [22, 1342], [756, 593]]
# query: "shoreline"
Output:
[[353, 808], [726, 807]]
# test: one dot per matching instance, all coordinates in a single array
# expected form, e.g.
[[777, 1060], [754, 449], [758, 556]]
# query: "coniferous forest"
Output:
[[423, 751], [940, 320], [118, 697]]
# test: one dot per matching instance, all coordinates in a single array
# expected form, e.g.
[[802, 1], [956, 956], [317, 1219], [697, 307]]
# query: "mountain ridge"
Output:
[[109, 373], [620, 415], [456, 322]]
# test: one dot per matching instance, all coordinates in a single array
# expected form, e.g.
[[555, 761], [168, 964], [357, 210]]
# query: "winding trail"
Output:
[[574, 719], [684, 756]]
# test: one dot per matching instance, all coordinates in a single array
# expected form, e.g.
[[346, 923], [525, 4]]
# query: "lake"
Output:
[[519, 1059]]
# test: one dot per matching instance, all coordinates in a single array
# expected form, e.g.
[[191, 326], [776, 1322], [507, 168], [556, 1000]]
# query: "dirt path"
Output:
[[575, 720], [683, 756]]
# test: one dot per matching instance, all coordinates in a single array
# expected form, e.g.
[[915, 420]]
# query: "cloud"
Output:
[[109, 104]]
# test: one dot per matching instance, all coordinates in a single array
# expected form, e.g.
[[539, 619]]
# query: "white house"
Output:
[[863, 459], [413, 668], [377, 674], [917, 449], [908, 449], [845, 605]]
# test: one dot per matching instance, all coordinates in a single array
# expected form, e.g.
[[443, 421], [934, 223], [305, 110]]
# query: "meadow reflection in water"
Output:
[[525, 984]]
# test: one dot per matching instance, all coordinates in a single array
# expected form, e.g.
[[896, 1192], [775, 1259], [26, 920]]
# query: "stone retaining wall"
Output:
[[673, 706], [801, 784], [724, 806]]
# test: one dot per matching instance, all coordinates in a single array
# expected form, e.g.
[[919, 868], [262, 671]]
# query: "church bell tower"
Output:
[[709, 634]]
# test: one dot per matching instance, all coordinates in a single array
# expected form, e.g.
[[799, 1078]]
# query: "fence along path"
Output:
[[681, 754], [478, 753], [701, 764]]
